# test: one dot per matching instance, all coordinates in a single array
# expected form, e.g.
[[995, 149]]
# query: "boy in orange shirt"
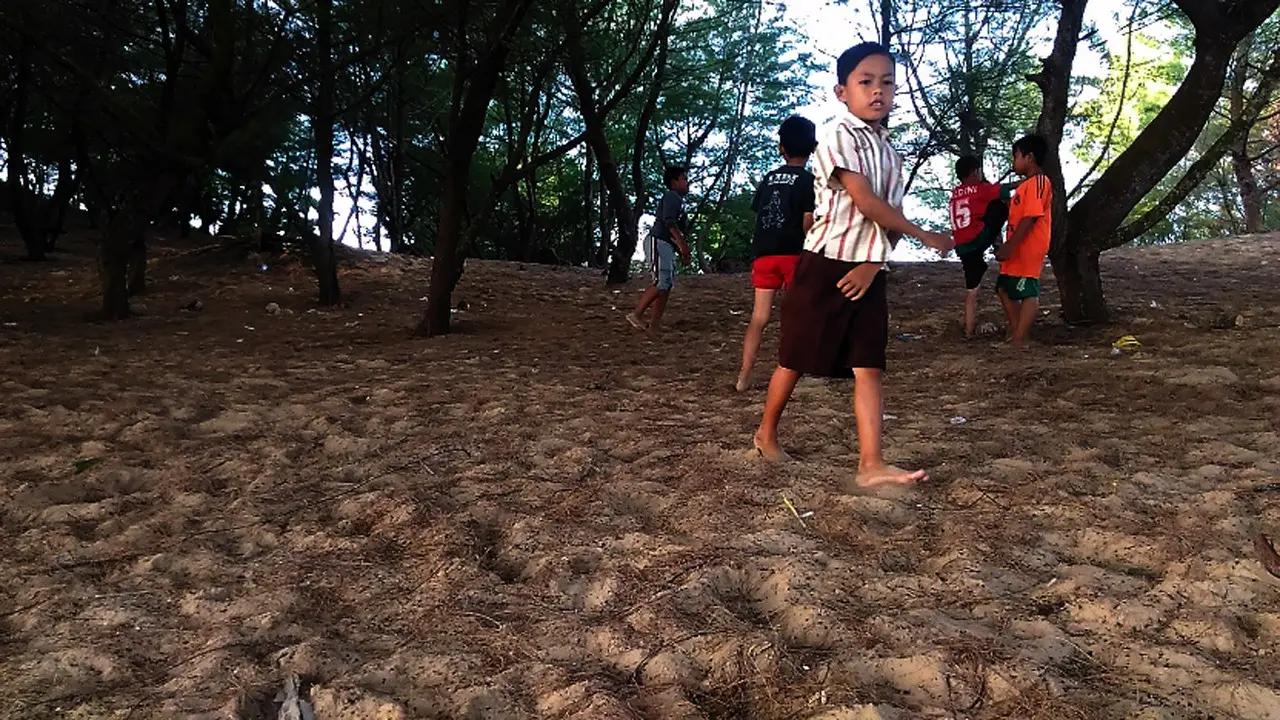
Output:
[[1030, 228]]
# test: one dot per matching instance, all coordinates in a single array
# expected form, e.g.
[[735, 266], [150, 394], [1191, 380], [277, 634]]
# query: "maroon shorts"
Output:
[[825, 333], [773, 272]]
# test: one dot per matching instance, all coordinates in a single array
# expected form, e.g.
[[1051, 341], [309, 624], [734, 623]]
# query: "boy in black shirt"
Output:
[[784, 212]]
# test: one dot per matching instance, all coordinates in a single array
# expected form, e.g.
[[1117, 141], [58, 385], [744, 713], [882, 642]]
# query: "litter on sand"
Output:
[[787, 502], [958, 420]]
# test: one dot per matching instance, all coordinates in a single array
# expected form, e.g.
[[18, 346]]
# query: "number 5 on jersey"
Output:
[[961, 217]]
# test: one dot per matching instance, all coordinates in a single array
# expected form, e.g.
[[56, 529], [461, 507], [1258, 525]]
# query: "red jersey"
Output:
[[968, 205]]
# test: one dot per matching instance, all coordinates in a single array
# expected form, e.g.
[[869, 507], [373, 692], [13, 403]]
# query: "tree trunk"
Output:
[[586, 232], [529, 232], [324, 257], [1241, 164], [26, 214], [1247, 182], [446, 266], [1054, 81], [886, 22], [620, 266], [113, 264], [605, 249], [60, 203], [1079, 280], [642, 128], [122, 252], [395, 229], [472, 95], [137, 266]]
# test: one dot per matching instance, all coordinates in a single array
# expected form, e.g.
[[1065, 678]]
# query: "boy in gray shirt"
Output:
[[665, 239]]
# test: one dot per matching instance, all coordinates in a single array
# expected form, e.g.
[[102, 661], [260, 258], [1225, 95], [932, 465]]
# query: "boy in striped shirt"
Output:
[[835, 319]]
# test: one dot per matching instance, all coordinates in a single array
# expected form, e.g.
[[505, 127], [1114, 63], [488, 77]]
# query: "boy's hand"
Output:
[[942, 242], [686, 256], [1004, 252], [858, 280]]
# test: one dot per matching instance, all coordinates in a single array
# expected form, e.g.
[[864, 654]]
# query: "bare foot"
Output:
[[741, 385], [770, 450], [636, 322], [888, 475]]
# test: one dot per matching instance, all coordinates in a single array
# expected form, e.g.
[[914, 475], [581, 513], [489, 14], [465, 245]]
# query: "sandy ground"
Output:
[[549, 515]]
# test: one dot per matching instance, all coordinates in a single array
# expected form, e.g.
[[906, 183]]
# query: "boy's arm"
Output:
[[885, 215], [807, 222], [671, 218], [1019, 234]]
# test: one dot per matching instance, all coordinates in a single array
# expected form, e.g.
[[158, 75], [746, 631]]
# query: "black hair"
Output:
[[1034, 145], [673, 173], [799, 137], [851, 58], [966, 165]]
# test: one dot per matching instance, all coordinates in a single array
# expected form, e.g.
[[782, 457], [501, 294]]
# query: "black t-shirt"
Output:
[[781, 201]]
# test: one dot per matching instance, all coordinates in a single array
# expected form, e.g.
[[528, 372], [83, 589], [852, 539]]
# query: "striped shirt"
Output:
[[840, 231]]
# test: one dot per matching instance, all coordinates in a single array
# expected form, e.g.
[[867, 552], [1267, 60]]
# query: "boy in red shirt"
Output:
[[978, 211]]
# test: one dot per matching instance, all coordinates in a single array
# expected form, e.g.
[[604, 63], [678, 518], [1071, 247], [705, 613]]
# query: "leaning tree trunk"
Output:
[[620, 267], [1095, 221]]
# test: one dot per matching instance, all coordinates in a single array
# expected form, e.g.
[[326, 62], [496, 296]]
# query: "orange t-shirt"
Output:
[[1033, 199]]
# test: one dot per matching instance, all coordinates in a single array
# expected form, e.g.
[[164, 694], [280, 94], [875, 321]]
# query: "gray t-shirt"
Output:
[[670, 212]]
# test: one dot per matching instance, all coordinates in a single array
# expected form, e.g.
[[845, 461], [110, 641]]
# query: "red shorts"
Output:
[[773, 272]]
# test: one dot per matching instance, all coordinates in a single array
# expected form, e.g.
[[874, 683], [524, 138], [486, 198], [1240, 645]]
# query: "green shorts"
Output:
[[1018, 288]]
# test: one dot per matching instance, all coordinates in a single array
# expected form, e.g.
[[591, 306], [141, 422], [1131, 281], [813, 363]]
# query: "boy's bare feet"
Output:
[[636, 322], [741, 385], [770, 450], [871, 477]]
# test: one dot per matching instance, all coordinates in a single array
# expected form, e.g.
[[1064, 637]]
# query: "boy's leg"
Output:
[[664, 280], [659, 306], [970, 311], [1027, 312], [974, 263], [755, 333], [1012, 309], [664, 274], [647, 299], [781, 386], [868, 408]]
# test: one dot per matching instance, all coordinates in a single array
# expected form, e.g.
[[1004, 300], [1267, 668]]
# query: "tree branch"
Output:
[[1120, 107], [1205, 164]]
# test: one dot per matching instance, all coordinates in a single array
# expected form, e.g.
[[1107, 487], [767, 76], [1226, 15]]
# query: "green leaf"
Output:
[[87, 464]]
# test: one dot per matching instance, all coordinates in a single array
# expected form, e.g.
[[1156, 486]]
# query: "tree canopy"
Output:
[[537, 130]]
